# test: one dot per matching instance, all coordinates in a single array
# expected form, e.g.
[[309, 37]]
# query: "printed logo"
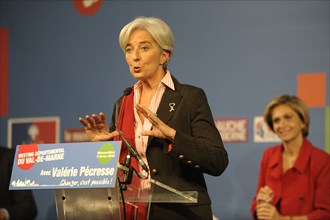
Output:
[[262, 132], [27, 156], [106, 153], [88, 7]]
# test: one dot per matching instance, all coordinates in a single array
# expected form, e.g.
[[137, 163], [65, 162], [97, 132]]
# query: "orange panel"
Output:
[[311, 87]]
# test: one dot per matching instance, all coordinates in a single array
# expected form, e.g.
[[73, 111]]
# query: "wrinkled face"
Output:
[[286, 123], [143, 55]]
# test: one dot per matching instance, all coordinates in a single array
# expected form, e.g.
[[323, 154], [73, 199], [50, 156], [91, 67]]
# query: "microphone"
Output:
[[133, 152]]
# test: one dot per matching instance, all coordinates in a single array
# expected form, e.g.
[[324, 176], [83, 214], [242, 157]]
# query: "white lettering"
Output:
[[64, 172], [87, 171]]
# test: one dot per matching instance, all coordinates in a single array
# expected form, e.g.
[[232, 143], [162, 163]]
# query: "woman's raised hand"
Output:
[[159, 128], [96, 127]]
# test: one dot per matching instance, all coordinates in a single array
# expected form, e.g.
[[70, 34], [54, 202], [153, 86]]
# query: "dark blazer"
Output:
[[197, 149], [20, 204]]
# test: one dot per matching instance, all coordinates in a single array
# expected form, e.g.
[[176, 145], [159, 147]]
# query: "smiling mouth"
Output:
[[284, 133]]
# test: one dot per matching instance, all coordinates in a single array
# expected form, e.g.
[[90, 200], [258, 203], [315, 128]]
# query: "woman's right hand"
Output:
[[96, 128], [265, 194]]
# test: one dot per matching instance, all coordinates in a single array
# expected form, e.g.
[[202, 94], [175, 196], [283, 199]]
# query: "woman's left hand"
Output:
[[159, 128], [267, 211]]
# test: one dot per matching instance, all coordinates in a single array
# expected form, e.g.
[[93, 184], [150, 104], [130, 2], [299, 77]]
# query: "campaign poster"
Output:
[[262, 133], [233, 129], [38, 130]]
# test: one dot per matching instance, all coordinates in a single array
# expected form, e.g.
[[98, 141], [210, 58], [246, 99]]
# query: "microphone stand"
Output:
[[132, 150], [128, 172], [127, 163]]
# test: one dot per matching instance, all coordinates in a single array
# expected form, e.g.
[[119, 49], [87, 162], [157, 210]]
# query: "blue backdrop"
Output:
[[242, 53]]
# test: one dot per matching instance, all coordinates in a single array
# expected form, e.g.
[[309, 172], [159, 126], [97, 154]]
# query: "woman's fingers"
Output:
[[141, 110], [103, 117], [152, 117], [90, 120], [83, 122], [93, 121]]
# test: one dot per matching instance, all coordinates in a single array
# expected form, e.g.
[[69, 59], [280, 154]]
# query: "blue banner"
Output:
[[65, 165]]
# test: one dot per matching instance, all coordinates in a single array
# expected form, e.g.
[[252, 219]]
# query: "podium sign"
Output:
[[86, 177], [65, 165]]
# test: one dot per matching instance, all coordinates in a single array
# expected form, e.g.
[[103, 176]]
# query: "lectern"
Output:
[[107, 203], [89, 186]]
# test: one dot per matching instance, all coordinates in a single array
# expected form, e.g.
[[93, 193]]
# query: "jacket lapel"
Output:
[[169, 104]]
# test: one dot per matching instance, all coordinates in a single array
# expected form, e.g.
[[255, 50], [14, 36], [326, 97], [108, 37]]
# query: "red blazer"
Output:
[[302, 190]]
